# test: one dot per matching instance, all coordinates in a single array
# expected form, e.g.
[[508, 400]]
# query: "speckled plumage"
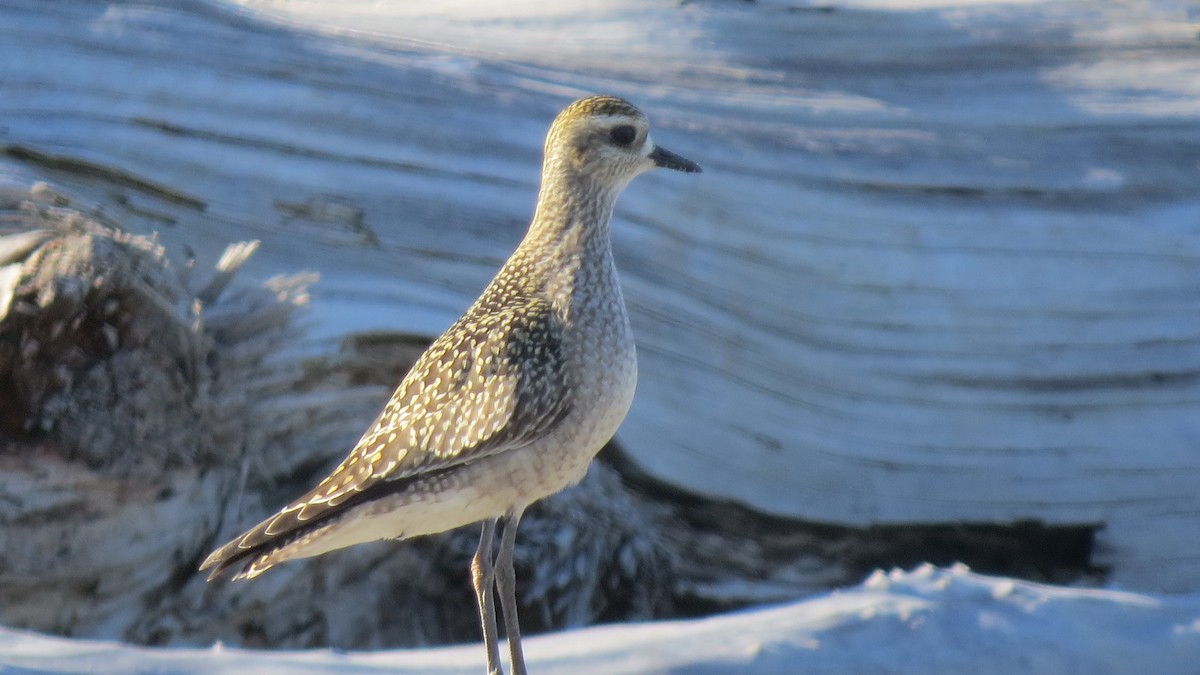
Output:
[[512, 402]]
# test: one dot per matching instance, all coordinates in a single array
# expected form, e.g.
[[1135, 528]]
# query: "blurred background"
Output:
[[936, 297]]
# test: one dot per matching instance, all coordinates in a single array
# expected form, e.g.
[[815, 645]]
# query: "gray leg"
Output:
[[506, 582], [482, 577]]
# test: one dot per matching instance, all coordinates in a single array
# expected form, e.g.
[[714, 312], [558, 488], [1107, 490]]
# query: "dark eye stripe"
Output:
[[623, 135]]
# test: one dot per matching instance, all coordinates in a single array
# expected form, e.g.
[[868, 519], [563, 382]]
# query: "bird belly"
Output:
[[482, 489]]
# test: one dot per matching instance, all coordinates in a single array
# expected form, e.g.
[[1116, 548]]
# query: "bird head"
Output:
[[606, 141]]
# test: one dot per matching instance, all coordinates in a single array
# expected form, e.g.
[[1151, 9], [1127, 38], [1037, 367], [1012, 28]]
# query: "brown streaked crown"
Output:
[[600, 106]]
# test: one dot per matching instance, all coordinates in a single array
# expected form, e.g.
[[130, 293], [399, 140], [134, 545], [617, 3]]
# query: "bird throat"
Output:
[[573, 243]]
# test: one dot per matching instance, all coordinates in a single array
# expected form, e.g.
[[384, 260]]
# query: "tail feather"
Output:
[[255, 551], [232, 556], [293, 531]]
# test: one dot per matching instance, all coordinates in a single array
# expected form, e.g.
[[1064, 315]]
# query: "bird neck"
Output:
[[570, 239], [572, 219]]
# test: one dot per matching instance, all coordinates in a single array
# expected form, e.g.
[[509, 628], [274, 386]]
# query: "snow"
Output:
[[928, 620]]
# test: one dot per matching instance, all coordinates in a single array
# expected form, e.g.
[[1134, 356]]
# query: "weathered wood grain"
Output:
[[942, 265]]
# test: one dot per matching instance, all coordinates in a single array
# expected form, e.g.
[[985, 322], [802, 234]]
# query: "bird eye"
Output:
[[623, 135]]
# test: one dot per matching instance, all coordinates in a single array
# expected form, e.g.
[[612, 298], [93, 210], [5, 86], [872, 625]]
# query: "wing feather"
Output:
[[493, 382]]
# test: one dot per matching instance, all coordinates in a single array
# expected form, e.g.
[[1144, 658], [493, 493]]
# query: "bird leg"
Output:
[[506, 582], [483, 574]]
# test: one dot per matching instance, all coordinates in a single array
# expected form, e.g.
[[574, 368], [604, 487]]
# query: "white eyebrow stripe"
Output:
[[625, 119]]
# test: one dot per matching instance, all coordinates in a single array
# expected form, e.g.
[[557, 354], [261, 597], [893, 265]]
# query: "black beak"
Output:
[[669, 160]]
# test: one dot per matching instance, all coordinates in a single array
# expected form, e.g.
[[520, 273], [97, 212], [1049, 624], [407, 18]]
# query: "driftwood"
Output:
[[154, 410], [937, 271], [149, 420]]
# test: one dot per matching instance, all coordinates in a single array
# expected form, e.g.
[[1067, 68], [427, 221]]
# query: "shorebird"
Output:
[[512, 402]]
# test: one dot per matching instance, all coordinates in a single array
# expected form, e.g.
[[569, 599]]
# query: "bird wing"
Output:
[[494, 381]]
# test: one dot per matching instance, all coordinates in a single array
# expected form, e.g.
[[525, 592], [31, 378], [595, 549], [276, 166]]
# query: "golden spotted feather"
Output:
[[493, 382]]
